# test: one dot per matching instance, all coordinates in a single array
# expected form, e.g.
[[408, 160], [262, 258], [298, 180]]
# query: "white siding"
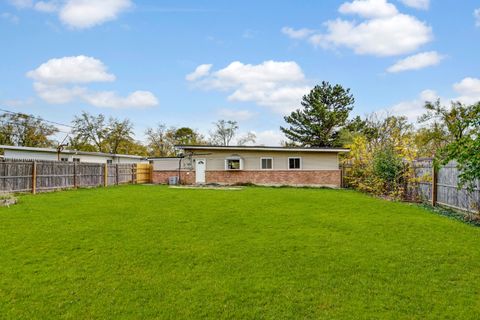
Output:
[[19, 154], [251, 159], [51, 156], [166, 164]]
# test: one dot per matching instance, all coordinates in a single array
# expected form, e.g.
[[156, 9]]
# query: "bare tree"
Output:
[[249, 137], [223, 133], [159, 141]]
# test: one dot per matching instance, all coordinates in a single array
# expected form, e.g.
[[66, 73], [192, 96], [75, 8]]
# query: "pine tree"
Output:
[[323, 114]]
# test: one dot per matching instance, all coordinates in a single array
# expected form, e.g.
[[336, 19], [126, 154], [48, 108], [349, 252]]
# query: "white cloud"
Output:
[[18, 102], [10, 17], [200, 72], [63, 80], [109, 99], [476, 14], [88, 13], [417, 4], [390, 36], [277, 85], [297, 33], [369, 8], [78, 14], [414, 108], [417, 61], [22, 3], [56, 94], [46, 6], [237, 115], [469, 90], [384, 32], [78, 69], [269, 138]]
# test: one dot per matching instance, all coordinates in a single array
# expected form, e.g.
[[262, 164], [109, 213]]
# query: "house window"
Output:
[[76, 159], [294, 163], [267, 163], [233, 164], [64, 159], [109, 161]]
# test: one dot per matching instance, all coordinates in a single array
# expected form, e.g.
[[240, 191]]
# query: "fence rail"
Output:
[[42, 176]]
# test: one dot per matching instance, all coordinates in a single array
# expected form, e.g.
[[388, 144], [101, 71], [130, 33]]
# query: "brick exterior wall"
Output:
[[161, 177], [330, 178]]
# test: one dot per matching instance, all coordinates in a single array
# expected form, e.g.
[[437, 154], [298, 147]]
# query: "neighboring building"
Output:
[[29, 153], [257, 165]]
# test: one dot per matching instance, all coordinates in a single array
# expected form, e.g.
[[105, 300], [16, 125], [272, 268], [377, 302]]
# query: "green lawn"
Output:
[[138, 252]]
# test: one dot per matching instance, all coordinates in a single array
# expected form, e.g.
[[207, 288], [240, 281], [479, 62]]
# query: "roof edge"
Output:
[[67, 151], [269, 148]]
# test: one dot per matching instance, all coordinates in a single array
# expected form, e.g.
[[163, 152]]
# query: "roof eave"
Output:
[[259, 148]]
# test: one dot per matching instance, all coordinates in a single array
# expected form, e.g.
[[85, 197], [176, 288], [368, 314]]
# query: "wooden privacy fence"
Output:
[[440, 186], [144, 173], [41, 176], [435, 186]]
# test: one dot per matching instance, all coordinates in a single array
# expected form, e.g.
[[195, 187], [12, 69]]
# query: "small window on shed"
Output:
[[294, 163], [64, 159], [109, 161], [76, 159], [267, 163]]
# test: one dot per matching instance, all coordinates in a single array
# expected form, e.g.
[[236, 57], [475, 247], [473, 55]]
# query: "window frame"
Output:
[[240, 160], [64, 159], [109, 161], [76, 159], [300, 163], [261, 163]]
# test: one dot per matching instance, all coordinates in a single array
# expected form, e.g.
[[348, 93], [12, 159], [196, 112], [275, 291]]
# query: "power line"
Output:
[[38, 118], [16, 122]]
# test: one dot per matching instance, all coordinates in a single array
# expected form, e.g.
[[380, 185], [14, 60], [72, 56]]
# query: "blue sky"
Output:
[[189, 63]]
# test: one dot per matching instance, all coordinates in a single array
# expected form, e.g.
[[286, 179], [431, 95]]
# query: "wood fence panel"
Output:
[[423, 174], [125, 173], [143, 173], [112, 174], [17, 175], [54, 175], [90, 174], [448, 192]]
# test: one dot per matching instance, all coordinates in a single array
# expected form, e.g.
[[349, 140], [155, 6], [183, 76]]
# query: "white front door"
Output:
[[200, 166]]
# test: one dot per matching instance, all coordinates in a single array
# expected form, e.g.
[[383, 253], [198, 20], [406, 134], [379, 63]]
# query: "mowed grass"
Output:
[[138, 252]]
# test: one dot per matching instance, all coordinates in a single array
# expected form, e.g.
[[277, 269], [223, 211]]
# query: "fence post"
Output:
[[116, 174], [34, 177], [434, 185], [105, 175], [133, 173], [150, 173], [342, 176], [74, 175]]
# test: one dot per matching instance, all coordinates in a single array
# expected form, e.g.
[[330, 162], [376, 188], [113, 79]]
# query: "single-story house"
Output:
[[48, 154], [251, 164]]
